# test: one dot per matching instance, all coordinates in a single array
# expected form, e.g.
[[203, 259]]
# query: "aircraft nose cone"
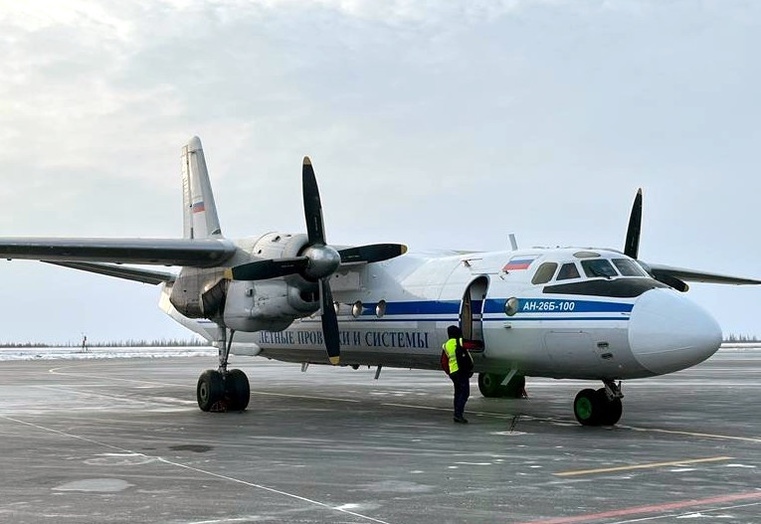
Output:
[[668, 332]]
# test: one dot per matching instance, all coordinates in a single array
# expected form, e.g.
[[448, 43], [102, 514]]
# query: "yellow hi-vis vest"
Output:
[[450, 346]]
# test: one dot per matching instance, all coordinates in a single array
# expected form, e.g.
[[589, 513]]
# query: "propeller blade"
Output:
[[264, 269], [312, 205], [371, 253], [330, 323], [631, 246]]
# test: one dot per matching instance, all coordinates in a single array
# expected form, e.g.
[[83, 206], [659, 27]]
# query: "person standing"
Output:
[[460, 371]]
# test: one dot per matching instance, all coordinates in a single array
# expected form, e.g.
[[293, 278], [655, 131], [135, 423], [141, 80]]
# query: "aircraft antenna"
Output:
[[513, 242]]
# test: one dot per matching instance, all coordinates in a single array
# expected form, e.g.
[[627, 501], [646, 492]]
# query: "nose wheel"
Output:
[[601, 407]]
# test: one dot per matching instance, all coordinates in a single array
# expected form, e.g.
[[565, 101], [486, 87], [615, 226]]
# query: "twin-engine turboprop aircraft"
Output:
[[595, 314]]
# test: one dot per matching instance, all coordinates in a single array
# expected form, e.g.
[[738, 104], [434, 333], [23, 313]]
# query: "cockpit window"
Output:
[[598, 268], [628, 268], [568, 271], [544, 273]]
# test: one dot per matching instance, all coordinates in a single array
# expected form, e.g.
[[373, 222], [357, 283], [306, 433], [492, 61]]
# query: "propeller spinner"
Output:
[[318, 260]]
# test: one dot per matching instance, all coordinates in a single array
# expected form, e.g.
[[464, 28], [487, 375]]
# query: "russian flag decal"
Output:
[[518, 263]]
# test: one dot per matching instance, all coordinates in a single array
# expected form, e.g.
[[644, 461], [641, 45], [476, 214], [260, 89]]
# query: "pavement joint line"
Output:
[[650, 465], [755, 440], [64, 389], [197, 470], [311, 397], [55, 371]]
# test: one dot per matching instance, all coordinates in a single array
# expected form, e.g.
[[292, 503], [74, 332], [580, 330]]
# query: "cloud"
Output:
[[439, 124]]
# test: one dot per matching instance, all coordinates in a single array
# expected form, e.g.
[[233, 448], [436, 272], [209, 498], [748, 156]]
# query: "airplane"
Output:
[[565, 313]]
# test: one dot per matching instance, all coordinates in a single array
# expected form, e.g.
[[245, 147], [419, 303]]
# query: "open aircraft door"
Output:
[[472, 312]]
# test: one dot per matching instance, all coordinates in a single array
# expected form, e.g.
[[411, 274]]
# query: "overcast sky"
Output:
[[437, 124]]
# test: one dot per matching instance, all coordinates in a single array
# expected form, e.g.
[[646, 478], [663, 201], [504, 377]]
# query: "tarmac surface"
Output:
[[122, 440]]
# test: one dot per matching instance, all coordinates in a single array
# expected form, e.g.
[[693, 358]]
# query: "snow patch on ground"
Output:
[[70, 353]]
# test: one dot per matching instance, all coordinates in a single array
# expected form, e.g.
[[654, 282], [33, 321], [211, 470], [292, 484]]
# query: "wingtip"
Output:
[[307, 161], [403, 249]]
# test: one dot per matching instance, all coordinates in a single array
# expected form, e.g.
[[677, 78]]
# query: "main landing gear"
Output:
[[490, 385], [600, 407], [220, 389]]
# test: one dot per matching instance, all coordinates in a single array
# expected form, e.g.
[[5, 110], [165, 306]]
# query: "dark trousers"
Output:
[[461, 383]]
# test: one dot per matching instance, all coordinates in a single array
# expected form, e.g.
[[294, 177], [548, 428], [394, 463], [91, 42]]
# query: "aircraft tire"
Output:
[[514, 388], [586, 407], [210, 389], [611, 410], [237, 390], [489, 384]]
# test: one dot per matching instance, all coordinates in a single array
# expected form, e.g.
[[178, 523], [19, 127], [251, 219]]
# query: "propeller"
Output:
[[631, 247], [317, 261], [323, 259]]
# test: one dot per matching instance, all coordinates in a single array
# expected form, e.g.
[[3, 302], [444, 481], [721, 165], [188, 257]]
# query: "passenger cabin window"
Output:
[[599, 267], [568, 271], [544, 273], [628, 268]]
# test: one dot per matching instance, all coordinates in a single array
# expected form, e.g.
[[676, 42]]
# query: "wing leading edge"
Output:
[[203, 252], [691, 275]]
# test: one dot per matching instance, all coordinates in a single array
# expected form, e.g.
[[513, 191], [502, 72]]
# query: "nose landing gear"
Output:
[[602, 407]]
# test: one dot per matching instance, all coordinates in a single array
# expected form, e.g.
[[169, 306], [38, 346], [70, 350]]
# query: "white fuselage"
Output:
[[563, 313]]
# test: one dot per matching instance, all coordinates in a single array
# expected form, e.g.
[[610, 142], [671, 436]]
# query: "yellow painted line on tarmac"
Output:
[[651, 465]]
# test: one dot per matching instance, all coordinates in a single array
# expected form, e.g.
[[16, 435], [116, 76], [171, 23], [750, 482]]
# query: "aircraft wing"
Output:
[[146, 276], [200, 252], [690, 275]]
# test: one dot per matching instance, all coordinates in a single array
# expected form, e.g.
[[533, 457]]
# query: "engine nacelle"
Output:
[[279, 245], [270, 305], [199, 293], [249, 306]]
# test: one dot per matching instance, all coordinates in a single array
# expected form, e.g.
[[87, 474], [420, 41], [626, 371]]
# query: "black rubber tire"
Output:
[[514, 388], [586, 407], [610, 410], [237, 390], [489, 384], [210, 389]]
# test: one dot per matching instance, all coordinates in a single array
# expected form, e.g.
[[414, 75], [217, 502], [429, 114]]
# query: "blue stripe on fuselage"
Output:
[[528, 306]]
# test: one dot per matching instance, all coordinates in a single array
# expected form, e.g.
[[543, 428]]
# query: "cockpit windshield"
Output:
[[593, 266], [568, 271], [628, 268], [598, 267]]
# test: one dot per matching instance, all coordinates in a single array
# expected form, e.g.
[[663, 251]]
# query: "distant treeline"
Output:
[[195, 342], [741, 338], [198, 342]]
